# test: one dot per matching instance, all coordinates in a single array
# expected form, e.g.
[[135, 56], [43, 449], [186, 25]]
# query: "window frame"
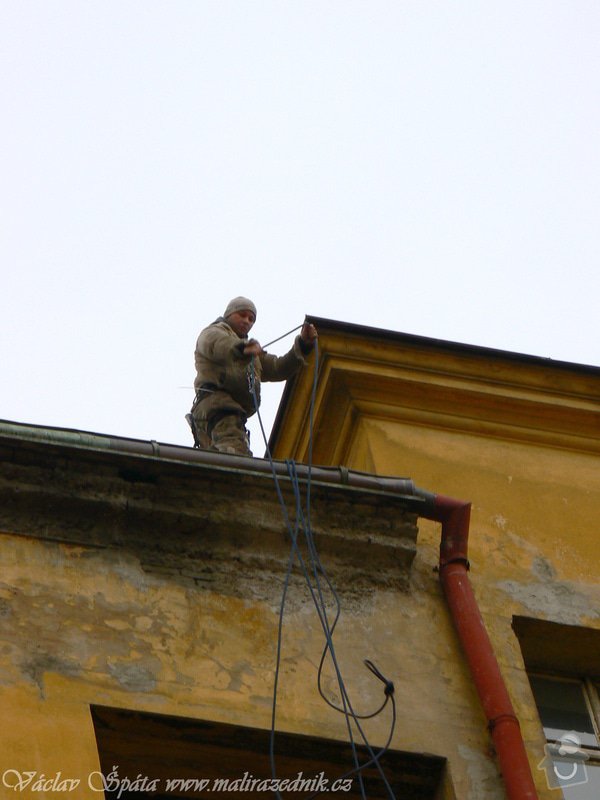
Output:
[[591, 695]]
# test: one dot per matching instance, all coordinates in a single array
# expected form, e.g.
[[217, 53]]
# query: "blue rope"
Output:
[[302, 522], [328, 630], [321, 609]]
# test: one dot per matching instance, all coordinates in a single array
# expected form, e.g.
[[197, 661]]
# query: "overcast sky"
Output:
[[424, 166]]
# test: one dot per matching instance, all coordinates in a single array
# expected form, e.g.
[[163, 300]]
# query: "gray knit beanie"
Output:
[[240, 304]]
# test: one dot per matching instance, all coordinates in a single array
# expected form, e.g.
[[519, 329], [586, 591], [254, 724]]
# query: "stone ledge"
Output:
[[198, 524]]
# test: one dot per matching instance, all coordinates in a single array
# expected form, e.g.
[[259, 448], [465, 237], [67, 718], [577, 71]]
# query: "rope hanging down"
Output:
[[328, 630], [315, 587]]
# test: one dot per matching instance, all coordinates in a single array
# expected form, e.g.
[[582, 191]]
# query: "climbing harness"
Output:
[[209, 388]]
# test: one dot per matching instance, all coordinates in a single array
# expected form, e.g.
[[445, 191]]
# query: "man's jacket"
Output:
[[223, 371]]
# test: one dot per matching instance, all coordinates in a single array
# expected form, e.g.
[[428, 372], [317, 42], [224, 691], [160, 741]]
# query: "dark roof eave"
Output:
[[365, 331]]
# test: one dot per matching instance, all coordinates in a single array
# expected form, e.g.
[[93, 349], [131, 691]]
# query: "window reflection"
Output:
[[563, 709]]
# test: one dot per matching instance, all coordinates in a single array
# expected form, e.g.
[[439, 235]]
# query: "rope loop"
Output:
[[388, 685]]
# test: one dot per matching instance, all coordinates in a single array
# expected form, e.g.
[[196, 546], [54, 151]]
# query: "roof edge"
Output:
[[337, 326], [16, 433]]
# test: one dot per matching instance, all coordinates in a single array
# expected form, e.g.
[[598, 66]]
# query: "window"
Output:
[[175, 758], [569, 711], [563, 665]]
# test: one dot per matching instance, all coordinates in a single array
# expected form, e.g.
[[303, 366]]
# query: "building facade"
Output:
[[518, 437], [153, 597]]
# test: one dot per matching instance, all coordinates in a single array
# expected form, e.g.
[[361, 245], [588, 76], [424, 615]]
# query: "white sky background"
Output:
[[423, 166]]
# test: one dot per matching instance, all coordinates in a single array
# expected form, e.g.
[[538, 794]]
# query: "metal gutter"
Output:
[[14, 433]]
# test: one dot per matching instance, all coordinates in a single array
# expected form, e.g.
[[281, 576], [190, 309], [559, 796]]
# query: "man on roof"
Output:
[[227, 361]]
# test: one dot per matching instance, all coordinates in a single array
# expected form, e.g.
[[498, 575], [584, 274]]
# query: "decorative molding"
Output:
[[477, 394]]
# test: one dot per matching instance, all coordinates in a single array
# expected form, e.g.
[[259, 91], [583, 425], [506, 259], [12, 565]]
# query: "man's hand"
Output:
[[253, 348], [308, 334]]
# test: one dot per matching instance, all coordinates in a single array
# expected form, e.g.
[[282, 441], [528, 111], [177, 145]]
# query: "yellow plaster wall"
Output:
[[177, 651], [82, 627], [534, 546], [518, 438], [89, 626], [528, 502]]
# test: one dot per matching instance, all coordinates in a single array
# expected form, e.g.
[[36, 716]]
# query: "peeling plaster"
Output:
[[522, 543], [500, 521], [136, 676], [543, 569], [35, 667], [483, 775], [73, 635], [559, 601]]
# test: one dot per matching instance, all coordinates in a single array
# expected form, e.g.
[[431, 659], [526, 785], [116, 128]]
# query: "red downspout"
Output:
[[502, 721]]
